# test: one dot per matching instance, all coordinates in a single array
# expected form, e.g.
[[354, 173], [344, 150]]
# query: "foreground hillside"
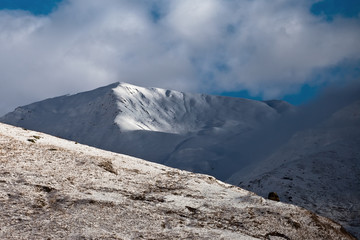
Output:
[[52, 188]]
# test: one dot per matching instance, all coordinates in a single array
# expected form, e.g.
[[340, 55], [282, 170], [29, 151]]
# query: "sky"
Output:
[[260, 49]]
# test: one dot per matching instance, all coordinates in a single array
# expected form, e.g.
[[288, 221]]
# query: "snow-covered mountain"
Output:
[[189, 131], [310, 158], [318, 168], [52, 188]]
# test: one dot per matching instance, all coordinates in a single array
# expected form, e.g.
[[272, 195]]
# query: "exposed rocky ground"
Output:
[[52, 189]]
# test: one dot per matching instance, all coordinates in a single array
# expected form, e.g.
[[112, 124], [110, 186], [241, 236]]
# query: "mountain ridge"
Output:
[[151, 123]]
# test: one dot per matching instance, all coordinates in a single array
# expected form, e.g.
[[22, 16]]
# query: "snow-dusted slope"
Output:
[[190, 131], [56, 189], [169, 111], [319, 169]]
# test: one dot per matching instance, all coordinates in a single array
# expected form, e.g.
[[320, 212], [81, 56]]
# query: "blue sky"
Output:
[[332, 8], [258, 49], [329, 8], [37, 7]]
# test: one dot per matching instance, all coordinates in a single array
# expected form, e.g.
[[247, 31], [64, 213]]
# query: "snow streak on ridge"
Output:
[[160, 110]]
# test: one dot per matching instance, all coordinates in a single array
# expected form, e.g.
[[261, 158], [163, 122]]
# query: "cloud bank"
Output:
[[269, 48]]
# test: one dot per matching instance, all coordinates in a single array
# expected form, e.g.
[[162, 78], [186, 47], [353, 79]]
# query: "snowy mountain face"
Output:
[[188, 131], [52, 188], [317, 169], [174, 112]]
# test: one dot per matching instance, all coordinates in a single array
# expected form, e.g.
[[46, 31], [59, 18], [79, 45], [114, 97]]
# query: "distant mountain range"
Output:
[[318, 169], [311, 158]]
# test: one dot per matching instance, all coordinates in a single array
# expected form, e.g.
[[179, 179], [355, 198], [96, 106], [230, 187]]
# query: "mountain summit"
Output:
[[187, 131]]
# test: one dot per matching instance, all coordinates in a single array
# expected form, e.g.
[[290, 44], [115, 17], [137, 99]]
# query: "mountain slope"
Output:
[[53, 188], [159, 125], [317, 169]]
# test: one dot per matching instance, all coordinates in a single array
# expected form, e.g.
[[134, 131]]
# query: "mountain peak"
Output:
[[168, 111], [160, 125]]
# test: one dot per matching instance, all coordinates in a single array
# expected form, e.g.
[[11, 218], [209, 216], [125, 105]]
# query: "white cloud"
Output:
[[270, 48], [196, 22]]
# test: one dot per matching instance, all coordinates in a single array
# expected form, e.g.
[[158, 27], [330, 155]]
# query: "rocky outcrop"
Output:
[[273, 196]]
